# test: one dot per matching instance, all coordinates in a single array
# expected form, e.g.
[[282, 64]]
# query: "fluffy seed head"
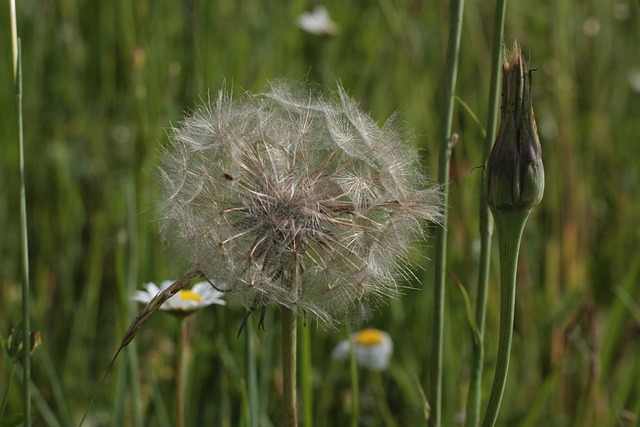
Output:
[[295, 198]]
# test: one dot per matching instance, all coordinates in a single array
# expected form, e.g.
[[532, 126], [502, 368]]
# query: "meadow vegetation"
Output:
[[105, 81]]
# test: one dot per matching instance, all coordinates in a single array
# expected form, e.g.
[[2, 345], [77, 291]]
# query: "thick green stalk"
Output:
[[446, 144], [509, 226], [289, 326], [486, 225], [514, 184]]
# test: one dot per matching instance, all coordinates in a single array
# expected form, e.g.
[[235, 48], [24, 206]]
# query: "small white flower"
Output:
[[318, 22], [372, 347], [185, 301]]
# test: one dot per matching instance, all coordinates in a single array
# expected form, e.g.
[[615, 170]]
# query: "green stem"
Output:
[[486, 226], [355, 382], [252, 377], [225, 399], [305, 378], [446, 144], [5, 395], [509, 226], [327, 393], [26, 322], [133, 364], [132, 266], [182, 358], [381, 397], [289, 326]]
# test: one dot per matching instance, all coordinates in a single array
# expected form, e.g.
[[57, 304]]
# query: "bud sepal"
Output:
[[515, 173]]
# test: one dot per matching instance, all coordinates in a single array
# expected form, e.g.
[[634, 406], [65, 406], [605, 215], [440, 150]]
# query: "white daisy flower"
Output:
[[318, 22], [185, 301], [372, 347]]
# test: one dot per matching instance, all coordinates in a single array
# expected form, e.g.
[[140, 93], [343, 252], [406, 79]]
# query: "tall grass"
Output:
[[25, 326], [102, 86]]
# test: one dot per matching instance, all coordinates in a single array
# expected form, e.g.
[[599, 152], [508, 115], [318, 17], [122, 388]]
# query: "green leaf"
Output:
[[467, 305], [473, 115]]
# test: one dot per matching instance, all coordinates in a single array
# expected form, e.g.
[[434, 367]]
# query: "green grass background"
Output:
[[104, 80]]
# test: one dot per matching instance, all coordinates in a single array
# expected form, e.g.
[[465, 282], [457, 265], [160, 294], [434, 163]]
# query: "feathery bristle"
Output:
[[294, 197]]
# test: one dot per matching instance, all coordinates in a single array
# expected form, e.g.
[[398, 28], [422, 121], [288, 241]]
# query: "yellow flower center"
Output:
[[369, 337], [190, 296]]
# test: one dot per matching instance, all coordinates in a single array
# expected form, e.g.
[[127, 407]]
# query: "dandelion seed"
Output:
[[294, 198]]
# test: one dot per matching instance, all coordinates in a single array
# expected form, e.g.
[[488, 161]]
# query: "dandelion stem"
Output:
[[289, 326], [181, 365], [446, 139], [486, 225], [509, 226], [252, 377], [307, 389]]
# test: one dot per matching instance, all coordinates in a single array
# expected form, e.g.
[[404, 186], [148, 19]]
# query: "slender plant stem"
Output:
[[355, 381], [182, 361], [289, 326], [381, 397], [252, 377], [26, 322], [224, 419], [486, 224], [509, 226], [5, 395], [446, 144], [305, 377], [131, 263]]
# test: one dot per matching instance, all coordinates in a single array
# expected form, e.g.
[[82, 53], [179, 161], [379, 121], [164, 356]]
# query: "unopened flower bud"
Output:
[[14, 345], [515, 174]]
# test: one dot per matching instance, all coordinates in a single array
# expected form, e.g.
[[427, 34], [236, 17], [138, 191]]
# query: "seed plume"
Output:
[[294, 197]]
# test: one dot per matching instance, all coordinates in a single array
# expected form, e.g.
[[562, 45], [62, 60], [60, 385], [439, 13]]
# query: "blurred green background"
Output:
[[103, 81]]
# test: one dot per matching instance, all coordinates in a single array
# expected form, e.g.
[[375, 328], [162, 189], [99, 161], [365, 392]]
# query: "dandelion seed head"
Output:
[[294, 196]]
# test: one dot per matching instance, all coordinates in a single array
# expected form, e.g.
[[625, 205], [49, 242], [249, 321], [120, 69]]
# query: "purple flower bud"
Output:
[[515, 174]]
